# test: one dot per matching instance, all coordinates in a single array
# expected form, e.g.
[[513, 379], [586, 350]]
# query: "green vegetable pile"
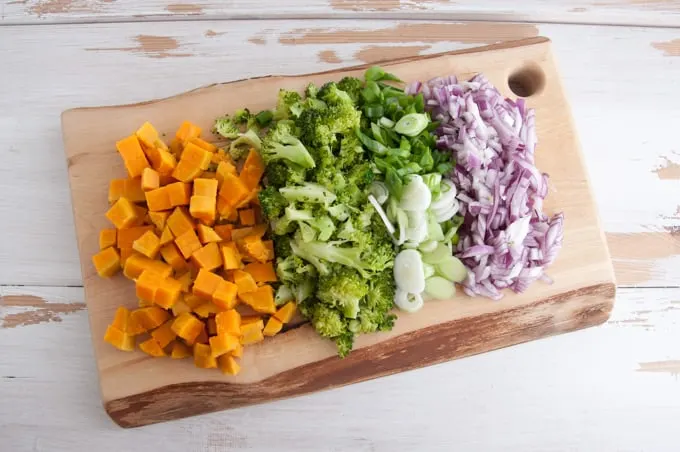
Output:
[[324, 150]]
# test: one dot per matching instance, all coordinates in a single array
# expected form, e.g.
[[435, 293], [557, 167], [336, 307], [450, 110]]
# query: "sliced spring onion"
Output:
[[412, 124], [428, 246], [408, 302], [383, 216], [283, 295], [379, 191], [452, 269], [440, 254], [386, 122], [408, 271], [415, 195], [428, 271], [439, 288]]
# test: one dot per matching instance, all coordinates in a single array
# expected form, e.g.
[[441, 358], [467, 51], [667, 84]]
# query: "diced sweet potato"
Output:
[[244, 281], [159, 219], [228, 365], [285, 312], [273, 326], [119, 339], [208, 257], [133, 156], [152, 348], [231, 257], [122, 214], [205, 284], [180, 350], [150, 179], [203, 208], [158, 199], [148, 245], [262, 272], [107, 238], [228, 322], [206, 234], [179, 193], [106, 262], [203, 357], [168, 293], [261, 300], [187, 326], [180, 222], [173, 257], [224, 296], [164, 334], [188, 243], [222, 343]]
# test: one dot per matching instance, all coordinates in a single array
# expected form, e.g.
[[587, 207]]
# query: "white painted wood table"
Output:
[[611, 388]]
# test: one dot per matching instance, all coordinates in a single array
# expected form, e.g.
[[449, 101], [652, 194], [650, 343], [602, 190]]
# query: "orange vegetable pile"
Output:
[[187, 231]]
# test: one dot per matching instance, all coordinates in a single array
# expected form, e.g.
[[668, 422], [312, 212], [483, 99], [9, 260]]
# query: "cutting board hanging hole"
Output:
[[527, 81]]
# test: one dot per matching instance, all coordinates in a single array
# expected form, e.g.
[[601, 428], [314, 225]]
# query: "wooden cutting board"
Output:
[[139, 390]]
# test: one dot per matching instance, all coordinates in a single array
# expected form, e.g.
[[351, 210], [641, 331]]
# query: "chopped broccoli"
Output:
[[327, 321], [282, 247], [281, 143], [352, 86], [344, 344], [344, 288], [351, 152], [311, 90], [281, 173], [374, 313], [332, 95], [241, 116], [293, 271], [226, 127], [308, 192], [286, 100], [272, 202], [241, 145]]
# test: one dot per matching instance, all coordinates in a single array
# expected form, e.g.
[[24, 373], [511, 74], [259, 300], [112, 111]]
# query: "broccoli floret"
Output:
[[241, 145], [272, 202], [282, 247], [344, 344], [293, 271], [328, 321], [374, 314], [281, 173], [324, 225], [286, 100], [352, 86], [314, 129], [344, 288], [226, 127], [332, 95], [281, 143], [311, 90], [351, 151], [364, 257], [308, 193], [361, 175], [241, 116]]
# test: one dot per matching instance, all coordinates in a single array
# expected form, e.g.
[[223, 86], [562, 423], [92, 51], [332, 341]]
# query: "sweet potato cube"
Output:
[[126, 237], [202, 337], [261, 300], [186, 281], [147, 134], [143, 303], [196, 156], [208, 257], [238, 234], [273, 326], [205, 309], [238, 351], [206, 234], [150, 179], [164, 334], [159, 218], [173, 257], [205, 187], [132, 189], [203, 357], [116, 189], [180, 193], [251, 323], [187, 131], [168, 293], [136, 264], [165, 162], [119, 339], [203, 208], [158, 199], [148, 245], [152, 348], [228, 322], [224, 231], [106, 262], [285, 312], [252, 337], [230, 256], [247, 217], [232, 190], [187, 326], [222, 343], [262, 272], [224, 296], [179, 307], [224, 168], [255, 248], [120, 319], [244, 281], [206, 283], [147, 284], [107, 238], [188, 243], [193, 301], [180, 222], [167, 236], [147, 319], [186, 172], [122, 214], [180, 350], [124, 254], [203, 144], [133, 156], [141, 213], [253, 169], [228, 364]]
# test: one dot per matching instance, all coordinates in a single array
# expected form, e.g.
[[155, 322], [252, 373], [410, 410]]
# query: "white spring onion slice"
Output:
[[416, 195], [408, 271], [383, 216], [408, 302]]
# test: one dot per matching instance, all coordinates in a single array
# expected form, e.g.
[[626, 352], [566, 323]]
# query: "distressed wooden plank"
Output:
[[622, 12], [610, 74], [578, 391]]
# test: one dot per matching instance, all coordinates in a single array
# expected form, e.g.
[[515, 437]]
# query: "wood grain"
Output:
[[582, 295], [621, 12]]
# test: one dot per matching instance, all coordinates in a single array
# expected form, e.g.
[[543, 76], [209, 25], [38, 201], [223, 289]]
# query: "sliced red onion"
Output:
[[506, 241]]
